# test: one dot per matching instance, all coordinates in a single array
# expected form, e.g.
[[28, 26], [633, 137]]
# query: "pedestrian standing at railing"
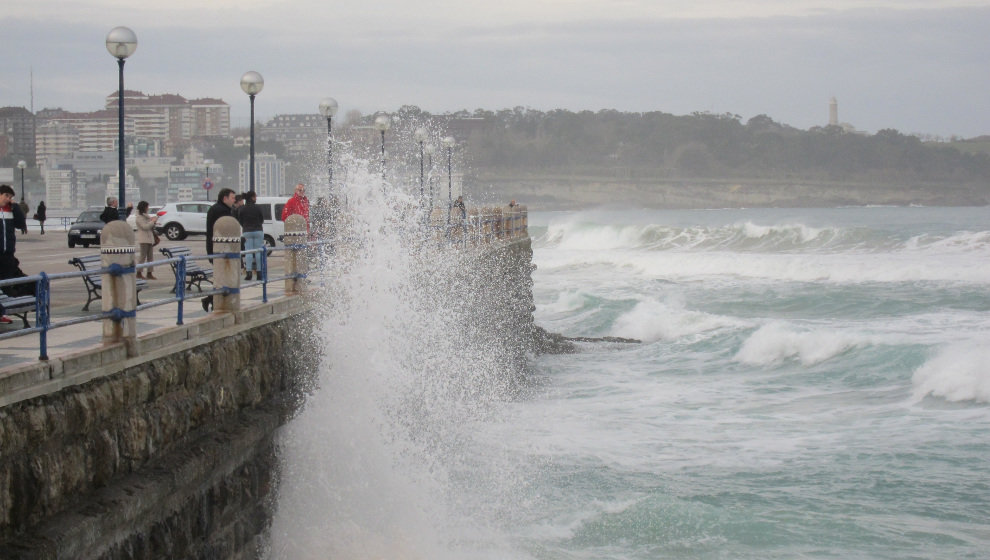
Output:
[[225, 200], [252, 225], [11, 220], [41, 214], [297, 204], [145, 237], [110, 212]]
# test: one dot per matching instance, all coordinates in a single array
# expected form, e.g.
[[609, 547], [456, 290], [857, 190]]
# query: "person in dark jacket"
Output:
[[11, 220], [41, 215], [225, 200], [110, 212], [252, 226]]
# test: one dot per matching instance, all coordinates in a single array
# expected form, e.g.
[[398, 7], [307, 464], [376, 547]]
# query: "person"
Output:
[[225, 200], [238, 203], [127, 211], [11, 220], [459, 204], [252, 224], [145, 237], [41, 215], [110, 212], [298, 204]]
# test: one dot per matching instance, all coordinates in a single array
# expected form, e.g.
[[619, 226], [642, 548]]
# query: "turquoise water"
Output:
[[810, 384]]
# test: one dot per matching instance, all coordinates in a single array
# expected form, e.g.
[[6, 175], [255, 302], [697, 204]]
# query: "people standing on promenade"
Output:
[[459, 204], [238, 203], [225, 200], [41, 215], [298, 204], [11, 220], [110, 212], [252, 225], [145, 237]]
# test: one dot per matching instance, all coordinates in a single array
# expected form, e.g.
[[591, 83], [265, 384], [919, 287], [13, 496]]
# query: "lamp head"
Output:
[[382, 122], [252, 83], [21, 165], [328, 107], [449, 141], [420, 135], [121, 42]]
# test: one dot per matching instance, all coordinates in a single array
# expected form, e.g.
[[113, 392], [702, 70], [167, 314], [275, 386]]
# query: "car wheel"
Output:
[[175, 232], [270, 243], [85, 245], [72, 244]]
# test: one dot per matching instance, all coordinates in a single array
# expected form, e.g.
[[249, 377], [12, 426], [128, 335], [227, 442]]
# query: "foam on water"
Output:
[[957, 372]]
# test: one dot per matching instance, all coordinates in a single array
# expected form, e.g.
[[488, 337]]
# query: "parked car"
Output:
[[86, 229], [176, 220], [132, 219]]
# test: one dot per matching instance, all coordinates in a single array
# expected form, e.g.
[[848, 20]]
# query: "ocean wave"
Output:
[[651, 321], [958, 372], [750, 236], [777, 342]]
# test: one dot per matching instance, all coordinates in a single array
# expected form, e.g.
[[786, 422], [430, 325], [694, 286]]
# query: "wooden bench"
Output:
[[195, 274], [94, 281], [18, 306]]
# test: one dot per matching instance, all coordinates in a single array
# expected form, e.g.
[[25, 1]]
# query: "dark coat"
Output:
[[216, 212], [109, 214], [250, 217], [11, 220]]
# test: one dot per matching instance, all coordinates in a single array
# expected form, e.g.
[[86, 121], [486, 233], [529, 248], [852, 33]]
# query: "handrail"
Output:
[[43, 324]]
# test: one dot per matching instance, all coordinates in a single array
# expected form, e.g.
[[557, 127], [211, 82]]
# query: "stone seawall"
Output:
[[169, 458]]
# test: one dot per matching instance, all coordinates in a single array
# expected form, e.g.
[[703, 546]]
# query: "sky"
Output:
[[917, 66]]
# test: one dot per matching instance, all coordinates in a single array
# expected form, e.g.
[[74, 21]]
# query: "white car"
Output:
[[176, 220]]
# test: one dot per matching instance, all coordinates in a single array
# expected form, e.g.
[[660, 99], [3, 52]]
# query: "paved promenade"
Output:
[[50, 253]]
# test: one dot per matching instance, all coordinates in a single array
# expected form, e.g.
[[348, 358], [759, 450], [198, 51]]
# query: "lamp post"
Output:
[[449, 142], [21, 165], [207, 183], [430, 150], [382, 123], [420, 135], [121, 43], [252, 83], [328, 108]]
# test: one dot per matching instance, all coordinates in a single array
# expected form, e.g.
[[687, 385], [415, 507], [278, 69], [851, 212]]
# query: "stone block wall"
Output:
[[169, 458]]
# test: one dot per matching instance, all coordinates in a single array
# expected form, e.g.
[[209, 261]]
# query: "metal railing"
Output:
[[42, 281]]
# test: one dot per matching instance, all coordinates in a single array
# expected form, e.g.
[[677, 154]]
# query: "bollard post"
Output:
[[295, 257], [227, 270], [119, 286]]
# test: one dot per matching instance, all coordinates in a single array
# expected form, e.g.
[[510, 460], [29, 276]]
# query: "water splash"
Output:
[[412, 355]]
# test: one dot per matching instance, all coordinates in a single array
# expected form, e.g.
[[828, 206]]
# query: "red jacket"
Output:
[[297, 205]]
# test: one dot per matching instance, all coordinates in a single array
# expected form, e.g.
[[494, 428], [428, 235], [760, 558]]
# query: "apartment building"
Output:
[[17, 130]]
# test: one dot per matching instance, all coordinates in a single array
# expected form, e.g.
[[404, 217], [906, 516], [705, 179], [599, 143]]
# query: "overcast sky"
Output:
[[916, 66]]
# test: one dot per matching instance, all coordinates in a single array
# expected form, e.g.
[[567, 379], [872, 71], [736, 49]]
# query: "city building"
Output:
[[17, 131], [269, 175], [174, 118], [300, 134]]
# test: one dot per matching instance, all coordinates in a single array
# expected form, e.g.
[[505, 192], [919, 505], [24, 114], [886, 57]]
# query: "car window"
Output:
[[89, 217], [185, 207], [278, 210], [203, 208], [266, 211]]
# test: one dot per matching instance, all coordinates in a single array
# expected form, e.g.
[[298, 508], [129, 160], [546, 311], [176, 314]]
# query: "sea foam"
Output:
[[958, 372]]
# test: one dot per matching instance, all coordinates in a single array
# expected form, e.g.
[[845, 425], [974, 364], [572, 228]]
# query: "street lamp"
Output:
[[207, 183], [121, 43], [252, 83], [420, 136], [21, 165], [328, 108], [430, 150], [382, 123], [449, 142]]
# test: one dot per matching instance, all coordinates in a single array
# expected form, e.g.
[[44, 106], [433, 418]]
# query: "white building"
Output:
[[269, 175]]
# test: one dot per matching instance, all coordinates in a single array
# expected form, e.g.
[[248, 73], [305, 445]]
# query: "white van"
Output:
[[179, 219]]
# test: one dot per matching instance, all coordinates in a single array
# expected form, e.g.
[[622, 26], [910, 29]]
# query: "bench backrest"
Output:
[[91, 262]]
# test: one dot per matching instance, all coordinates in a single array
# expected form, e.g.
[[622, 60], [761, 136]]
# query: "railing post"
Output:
[[295, 261], [227, 270], [119, 286]]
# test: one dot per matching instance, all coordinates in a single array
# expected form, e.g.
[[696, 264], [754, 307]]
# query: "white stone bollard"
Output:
[[295, 259], [227, 271], [119, 292]]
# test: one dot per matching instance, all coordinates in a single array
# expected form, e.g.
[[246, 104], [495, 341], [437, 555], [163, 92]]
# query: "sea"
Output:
[[790, 383]]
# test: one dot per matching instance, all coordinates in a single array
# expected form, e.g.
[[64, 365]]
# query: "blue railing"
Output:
[[42, 306]]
